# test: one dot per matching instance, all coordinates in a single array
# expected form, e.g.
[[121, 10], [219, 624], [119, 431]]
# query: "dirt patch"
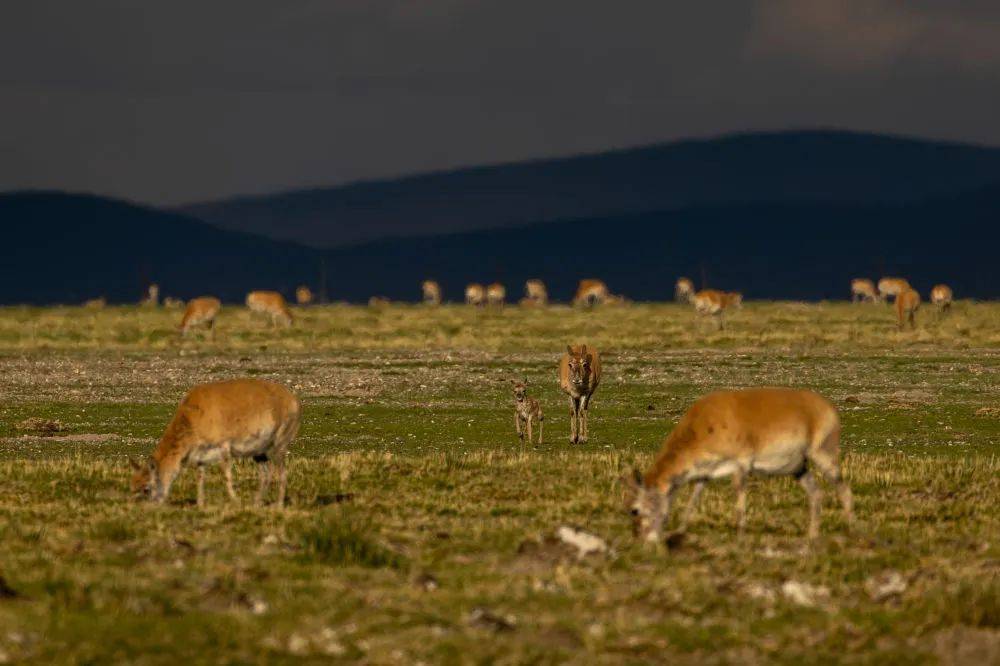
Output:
[[966, 645]]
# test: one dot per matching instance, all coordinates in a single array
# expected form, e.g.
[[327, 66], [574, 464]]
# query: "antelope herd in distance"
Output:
[[766, 431]]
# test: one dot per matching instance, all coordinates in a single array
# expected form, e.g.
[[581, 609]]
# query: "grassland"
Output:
[[420, 531]]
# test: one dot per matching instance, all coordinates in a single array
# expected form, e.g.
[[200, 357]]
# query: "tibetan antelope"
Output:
[[714, 303], [172, 303], [95, 303], [579, 375], [536, 293], [272, 304], [496, 294], [891, 286], [863, 290], [239, 418], [907, 303], [769, 431], [475, 294], [591, 292], [303, 295], [526, 410], [432, 292], [152, 297], [202, 310], [684, 290], [941, 296]]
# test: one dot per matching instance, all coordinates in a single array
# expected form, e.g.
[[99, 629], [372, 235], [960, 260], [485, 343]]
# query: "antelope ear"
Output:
[[631, 480], [134, 464], [569, 350], [525, 381], [583, 351], [637, 476]]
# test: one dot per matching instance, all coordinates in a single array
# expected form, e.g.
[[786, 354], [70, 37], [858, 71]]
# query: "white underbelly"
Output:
[[243, 447]]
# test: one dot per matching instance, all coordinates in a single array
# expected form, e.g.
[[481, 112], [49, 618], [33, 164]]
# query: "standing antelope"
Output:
[[863, 289], [239, 418], [152, 297], [683, 290], [907, 302], [526, 409], [771, 431], [201, 310], [432, 292], [579, 375], [536, 293], [272, 304], [496, 294], [303, 295], [941, 296], [591, 292], [714, 303], [475, 294], [891, 286]]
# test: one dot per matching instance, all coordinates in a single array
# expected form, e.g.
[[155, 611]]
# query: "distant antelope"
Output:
[[907, 303], [303, 295], [714, 303], [496, 295], [272, 304], [534, 290], [432, 292], [941, 296], [891, 286], [95, 303], [770, 431], [172, 303], [526, 410], [591, 292], [239, 418], [684, 290], [863, 289], [201, 310], [475, 294], [579, 375], [378, 302], [152, 297]]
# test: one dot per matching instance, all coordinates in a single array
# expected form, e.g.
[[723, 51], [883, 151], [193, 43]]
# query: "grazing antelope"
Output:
[[526, 409], [152, 297], [907, 302], [683, 290], [496, 294], [535, 291], [863, 290], [891, 286], [941, 296], [272, 304], [770, 431], [239, 418], [714, 303], [475, 294], [201, 310], [95, 303], [432, 292], [579, 375], [172, 303], [591, 292], [303, 295]]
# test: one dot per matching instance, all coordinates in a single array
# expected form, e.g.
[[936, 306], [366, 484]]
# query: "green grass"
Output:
[[407, 470]]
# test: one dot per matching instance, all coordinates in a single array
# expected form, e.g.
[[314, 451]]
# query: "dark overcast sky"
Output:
[[175, 101]]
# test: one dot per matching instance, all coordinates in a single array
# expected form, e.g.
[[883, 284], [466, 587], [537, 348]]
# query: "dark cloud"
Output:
[[176, 101]]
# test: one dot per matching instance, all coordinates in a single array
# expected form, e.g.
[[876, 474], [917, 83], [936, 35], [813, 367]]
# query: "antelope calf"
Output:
[[579, 375], [303, 295], [863, 290], [941, 296], [272, 304], [240, 418], [475, 294], [526, 410], [683, 290], [769, 431], [152, 297], [590, 293], [891, 286], [714, 303], [432, 292], [496, 294], [907, 302], [535, 291], [200, 311]]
